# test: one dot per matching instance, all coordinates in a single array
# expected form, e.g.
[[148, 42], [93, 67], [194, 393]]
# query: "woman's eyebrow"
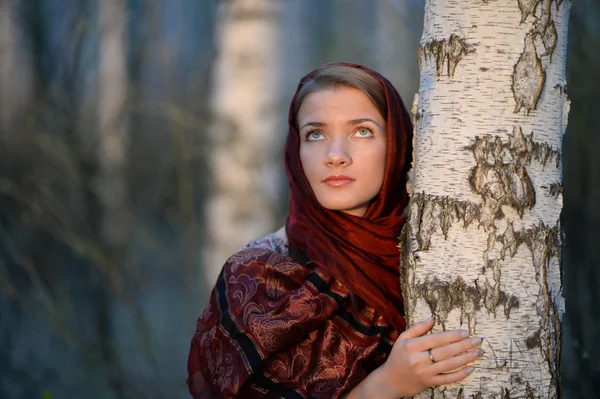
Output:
[[350, 122], [361, 120], [316, 124]]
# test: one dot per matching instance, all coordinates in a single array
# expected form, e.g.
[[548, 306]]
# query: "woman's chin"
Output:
[[349, 208]]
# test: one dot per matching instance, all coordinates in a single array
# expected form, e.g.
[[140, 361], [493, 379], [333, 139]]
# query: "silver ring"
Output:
[[430, 355]]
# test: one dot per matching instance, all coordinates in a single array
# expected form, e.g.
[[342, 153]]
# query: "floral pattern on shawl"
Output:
[[277, 326]]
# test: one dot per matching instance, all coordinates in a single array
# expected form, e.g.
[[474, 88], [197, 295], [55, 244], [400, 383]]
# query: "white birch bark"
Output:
[[244, 135], [112, 113], [483, 243]]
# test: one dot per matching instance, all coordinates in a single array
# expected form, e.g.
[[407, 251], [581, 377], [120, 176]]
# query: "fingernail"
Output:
[[479, 352], [464, 334], [476, 341], [428, 320], [470, 370]]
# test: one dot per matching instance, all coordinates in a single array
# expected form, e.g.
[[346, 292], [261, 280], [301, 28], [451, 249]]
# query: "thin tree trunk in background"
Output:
[[295, 58], [483, 245], [244, 135], [113, 139], [7, 54], [355, 31], [398, 34], [113, 132], [15, 71]]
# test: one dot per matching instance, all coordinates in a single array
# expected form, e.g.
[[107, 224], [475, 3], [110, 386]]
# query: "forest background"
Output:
[[113, 128]]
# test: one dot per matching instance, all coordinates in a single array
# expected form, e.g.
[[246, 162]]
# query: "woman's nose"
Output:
[[337, 154]]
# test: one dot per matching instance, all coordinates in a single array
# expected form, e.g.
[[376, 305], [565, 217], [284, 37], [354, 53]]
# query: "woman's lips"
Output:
[[338, 180]]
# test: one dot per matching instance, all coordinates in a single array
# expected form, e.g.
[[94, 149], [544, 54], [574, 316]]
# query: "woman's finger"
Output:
[[418, 329], [450, 350], [456, 362], [436, 340], [449, 378]]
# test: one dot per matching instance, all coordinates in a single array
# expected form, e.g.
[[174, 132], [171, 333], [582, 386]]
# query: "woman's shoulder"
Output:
[[269, 257], [276, 242]]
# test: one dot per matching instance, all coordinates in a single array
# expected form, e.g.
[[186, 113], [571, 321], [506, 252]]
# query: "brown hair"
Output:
[[335, 76]]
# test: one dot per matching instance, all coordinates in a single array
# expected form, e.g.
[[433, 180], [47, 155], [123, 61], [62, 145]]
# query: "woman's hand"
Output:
[[410, 369]]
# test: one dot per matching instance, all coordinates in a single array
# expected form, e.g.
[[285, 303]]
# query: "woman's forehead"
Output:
[[343, 103]]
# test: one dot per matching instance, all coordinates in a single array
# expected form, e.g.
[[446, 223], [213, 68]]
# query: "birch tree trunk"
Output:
[[482, 249], [244, 136], [113, 132]]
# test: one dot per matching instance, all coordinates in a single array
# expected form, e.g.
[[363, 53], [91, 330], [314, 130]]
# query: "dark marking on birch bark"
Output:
[[549, 38], [546, 29], [555, 189], [436, 49], [509, 302], [429, 214], [528, 77], [516, 379], [544, 242], [544, 19], [542, 152], [527, 8], [533, 341], [446, 52], [524, 148], [436, 213], [529, 391], [443, 297], [461, 391], [510, 241], [407, 265], [455, 49], [500, 176], [562, 88], [492, 295]]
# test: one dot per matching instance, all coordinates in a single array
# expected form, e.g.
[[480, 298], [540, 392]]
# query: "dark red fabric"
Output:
[[361, 252], [279, 327]]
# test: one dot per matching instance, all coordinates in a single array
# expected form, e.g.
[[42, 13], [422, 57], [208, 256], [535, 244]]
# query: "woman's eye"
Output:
[[314, 135], [364, 132]]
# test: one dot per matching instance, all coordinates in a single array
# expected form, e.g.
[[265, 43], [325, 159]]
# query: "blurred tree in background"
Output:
[[109, 132]]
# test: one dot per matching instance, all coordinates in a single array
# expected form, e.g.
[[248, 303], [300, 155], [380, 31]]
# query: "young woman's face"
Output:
[[342, 148]]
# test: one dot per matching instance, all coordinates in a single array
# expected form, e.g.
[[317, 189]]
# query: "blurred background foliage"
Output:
[[109, 146]]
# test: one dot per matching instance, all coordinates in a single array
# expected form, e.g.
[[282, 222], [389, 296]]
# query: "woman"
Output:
[[315, 309]]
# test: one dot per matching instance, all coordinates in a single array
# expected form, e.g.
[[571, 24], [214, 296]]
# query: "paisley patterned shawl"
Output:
[[279, 326]]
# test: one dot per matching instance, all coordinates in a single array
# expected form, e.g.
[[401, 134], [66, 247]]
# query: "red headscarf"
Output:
[[360, 252]]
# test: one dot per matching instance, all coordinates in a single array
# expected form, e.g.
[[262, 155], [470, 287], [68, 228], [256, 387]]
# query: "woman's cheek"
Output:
[[308, 160]]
